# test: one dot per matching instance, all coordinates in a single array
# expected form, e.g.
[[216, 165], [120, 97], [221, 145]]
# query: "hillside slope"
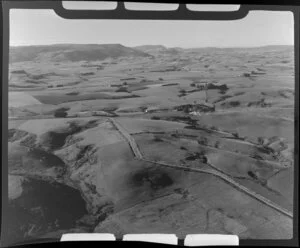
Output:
[[72, 52]]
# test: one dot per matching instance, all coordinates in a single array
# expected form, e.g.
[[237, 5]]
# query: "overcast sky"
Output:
[[259, 28]]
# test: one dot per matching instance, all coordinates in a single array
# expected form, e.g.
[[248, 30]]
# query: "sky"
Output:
[[258, 28]]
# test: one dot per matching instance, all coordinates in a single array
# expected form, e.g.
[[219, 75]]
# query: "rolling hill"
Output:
[[72, 52]]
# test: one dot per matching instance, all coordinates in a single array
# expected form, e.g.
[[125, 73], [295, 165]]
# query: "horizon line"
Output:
[[194, 47]]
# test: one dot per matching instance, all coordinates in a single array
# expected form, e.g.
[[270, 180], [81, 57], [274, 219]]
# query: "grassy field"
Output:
[[61, 130]]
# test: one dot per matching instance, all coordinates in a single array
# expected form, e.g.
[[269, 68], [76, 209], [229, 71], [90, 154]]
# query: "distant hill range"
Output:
[[72, 52], [93, 52]]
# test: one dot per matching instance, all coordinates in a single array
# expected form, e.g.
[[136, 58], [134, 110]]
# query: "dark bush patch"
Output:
[[260, 140], [256, 156], [61, 112], [87, 73], [155, 177], [170, 84], [175, 135], [214, 128], [203, 141], [155, 118], [246, 74], [157, 139], [122, 89], [195, 127], [252, 175], [182, 93], [115, 85], [212, 86], [197, 155], [74, 93], [234, 103], [184, 119], [90, 124], [132, 78], [235, 134]]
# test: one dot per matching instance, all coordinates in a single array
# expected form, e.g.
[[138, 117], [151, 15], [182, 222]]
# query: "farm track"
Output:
[[224, 177], [128, 137]]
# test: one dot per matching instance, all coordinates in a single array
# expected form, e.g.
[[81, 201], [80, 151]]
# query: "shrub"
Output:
[[87, 73], [203, 141], [155, 118], [61, 113], [214, 128], [217, 144], [234, 103], [235, 134], [246, 74], [74, 93], [203, 159], [122, 89], [256, 156], [251, 174], [260, 140], [157, 139]]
